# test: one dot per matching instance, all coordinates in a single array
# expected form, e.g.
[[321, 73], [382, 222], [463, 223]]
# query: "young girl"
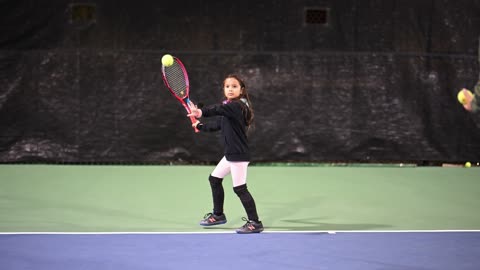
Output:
[[235, 115]]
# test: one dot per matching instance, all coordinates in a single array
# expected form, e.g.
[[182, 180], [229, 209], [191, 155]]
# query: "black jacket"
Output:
[[232, 123]]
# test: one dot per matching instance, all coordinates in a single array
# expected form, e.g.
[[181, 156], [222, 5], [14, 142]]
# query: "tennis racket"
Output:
[[175, 78]]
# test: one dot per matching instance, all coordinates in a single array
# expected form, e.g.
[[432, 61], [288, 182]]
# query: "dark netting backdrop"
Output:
[[373, 81]]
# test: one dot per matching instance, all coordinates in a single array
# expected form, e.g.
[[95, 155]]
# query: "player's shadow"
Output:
[[307, 224], [311, 225], [281, 217]]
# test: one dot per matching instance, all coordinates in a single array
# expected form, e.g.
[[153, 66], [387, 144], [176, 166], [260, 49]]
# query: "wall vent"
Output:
[[83, 13], [316, 16]]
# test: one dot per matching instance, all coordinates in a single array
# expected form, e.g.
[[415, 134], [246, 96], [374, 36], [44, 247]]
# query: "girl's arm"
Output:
[[209, 126], [230, 110]]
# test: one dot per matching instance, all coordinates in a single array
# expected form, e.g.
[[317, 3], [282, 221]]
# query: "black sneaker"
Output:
[[250, 227], [211, 219]]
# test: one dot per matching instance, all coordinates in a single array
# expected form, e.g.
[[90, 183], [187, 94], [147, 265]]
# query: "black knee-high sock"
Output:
[[247, 201], [218, 194]]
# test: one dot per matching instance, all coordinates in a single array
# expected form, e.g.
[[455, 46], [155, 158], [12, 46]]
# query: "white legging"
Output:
[[237, 168]]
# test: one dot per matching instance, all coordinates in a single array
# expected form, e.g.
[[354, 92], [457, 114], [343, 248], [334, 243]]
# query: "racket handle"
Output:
[[193, 122], [192, 118]]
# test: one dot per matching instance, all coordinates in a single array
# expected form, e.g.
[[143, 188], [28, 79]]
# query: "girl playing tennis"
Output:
[[235, 115]]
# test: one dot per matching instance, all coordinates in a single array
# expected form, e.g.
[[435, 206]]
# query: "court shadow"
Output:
[[312, 225]]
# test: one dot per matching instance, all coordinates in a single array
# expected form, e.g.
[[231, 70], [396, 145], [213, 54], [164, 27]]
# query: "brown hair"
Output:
[[248, 110]]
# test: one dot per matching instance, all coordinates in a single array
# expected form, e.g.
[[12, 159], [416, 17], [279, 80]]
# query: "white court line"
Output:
[[233, 232]]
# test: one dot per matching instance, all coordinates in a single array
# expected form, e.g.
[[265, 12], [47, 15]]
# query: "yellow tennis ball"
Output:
[[461, 96], [468, 164], [167, 60]]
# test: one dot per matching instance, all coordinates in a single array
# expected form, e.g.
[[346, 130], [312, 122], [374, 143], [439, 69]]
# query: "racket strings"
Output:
[[176, 80]]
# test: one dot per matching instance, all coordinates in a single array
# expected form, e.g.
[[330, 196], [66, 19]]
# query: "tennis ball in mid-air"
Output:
[[468, 164], [167, 60], [462, 96]]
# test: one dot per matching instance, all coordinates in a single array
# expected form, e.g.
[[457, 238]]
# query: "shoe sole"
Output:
[[243, 232], [213, 224]]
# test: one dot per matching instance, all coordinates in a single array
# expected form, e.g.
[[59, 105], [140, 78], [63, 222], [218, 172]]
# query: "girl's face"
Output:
[[232, 88]]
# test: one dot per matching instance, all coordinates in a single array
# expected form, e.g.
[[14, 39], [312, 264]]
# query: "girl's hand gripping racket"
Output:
[[175, 78]]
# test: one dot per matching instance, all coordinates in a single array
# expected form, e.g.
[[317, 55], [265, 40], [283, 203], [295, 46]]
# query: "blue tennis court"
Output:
[[309, 250]]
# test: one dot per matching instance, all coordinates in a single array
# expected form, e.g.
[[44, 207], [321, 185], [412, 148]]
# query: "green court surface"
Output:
[[74, 198]]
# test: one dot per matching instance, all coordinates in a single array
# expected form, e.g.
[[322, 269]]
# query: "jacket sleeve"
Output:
[[230, 110], [210, 126]]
